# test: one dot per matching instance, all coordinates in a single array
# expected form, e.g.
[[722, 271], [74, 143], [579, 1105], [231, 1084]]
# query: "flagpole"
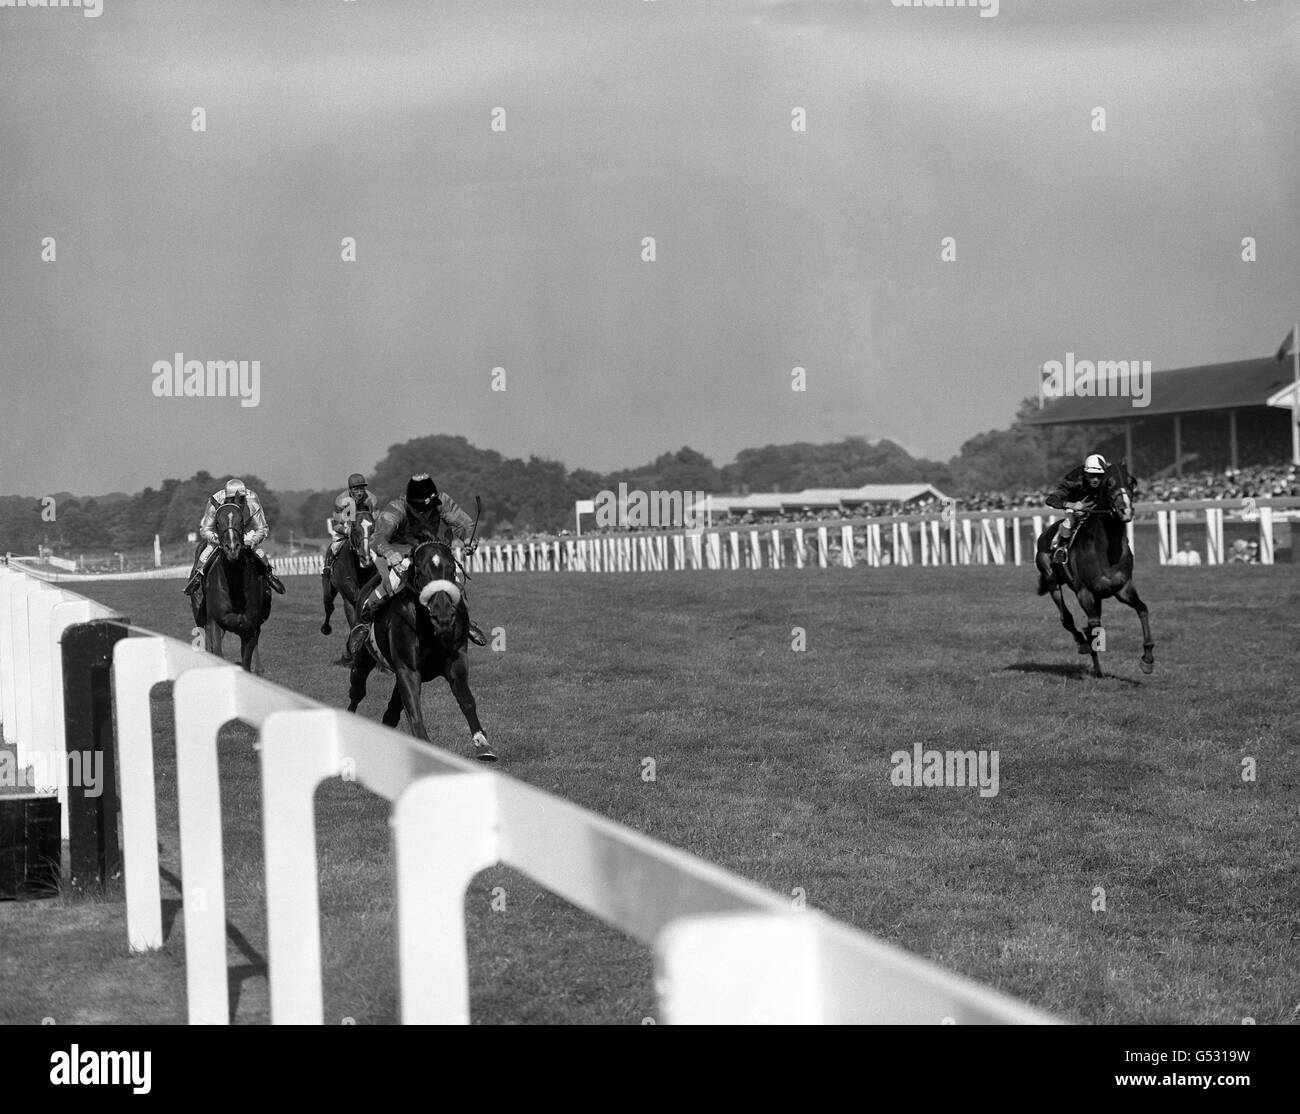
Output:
[[1295, 400]]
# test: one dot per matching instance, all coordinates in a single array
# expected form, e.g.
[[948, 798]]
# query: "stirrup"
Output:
[[1060, 555]]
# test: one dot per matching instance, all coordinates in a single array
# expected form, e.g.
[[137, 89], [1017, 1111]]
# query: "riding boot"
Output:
[[266, 564], [1062, 552], [475, 632], [200, 569], [366, 616]]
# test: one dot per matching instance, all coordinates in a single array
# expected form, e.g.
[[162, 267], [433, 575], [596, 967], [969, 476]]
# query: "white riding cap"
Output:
[[1095, 463], [234, 488]]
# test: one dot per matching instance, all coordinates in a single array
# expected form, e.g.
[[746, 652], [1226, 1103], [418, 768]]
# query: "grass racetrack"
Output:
[[775, 763]]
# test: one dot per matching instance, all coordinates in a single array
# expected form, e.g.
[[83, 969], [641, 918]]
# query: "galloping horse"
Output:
[[236, 594], [1099, 564], [352, 568], [422, 634]]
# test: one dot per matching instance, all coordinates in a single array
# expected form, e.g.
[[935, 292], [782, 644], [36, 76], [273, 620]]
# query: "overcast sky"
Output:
[[522, 249]]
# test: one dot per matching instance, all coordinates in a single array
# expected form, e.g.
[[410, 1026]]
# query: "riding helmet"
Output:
[[1095, 463], [421, 491]]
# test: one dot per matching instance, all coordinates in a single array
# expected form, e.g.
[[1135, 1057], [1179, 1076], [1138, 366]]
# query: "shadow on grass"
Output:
[[255, 968], [1081, 671]]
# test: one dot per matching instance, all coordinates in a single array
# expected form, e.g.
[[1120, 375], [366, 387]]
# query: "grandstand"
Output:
[[1210, 418], [816, 502]]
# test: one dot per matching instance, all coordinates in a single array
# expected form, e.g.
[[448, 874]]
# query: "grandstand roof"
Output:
[[894, 493], [820, 497], [1180, 391]]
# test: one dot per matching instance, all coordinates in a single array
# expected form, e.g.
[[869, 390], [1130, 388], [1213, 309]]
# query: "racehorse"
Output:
[[352, 569], [422, 634], [235, 594], [1099, 564]]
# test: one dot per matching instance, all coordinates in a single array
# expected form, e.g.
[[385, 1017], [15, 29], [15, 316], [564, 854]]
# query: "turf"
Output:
[[1124, 872]]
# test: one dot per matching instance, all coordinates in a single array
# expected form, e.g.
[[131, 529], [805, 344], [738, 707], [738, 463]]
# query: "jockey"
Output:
[[347, 506], [422, 515], [255, 531], [1077, 487]]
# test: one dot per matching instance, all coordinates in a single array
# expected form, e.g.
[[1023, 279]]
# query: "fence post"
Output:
[[1266, 536], [444, 832], [88, 720]]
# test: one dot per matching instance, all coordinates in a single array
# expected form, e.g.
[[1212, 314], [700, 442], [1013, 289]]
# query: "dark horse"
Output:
[[422, 634], [352, 568], [1099, 564], [236, 593]]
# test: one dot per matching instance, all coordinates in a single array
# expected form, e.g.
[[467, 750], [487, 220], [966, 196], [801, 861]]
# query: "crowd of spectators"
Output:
[[1261, 481]]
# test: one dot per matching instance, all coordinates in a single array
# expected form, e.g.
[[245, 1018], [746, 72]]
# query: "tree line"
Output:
[[537, 495]]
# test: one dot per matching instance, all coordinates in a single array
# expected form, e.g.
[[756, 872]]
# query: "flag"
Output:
[[1285, 350]]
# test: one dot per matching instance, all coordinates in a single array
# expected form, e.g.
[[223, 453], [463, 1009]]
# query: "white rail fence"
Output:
[[726, 950], [960, 538]]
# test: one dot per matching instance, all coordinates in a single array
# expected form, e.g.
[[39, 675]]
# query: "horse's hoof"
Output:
[[482, 749], [325, 627], [1146, 666]]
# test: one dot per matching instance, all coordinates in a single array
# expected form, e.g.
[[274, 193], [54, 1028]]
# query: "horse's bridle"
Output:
[[232, 528], [367, 528], [1122, 496], [438, 584]]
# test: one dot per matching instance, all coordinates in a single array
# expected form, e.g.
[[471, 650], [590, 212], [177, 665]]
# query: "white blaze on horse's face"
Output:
[[1125, 506], [367, 528]]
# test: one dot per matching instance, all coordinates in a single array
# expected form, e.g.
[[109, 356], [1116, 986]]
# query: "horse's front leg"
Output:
[[329, 593], [215, 636], [457, 675], [1067, 620], [1091, 605], [362, 664], [249, 653], [406, 695], [1128, 594]]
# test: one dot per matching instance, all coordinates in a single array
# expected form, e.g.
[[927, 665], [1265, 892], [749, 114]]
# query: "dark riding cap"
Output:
[[357, 480], [421, 491]]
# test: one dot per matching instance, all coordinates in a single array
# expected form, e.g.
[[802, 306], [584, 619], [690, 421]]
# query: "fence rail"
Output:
[[726, 950], [960, 538]]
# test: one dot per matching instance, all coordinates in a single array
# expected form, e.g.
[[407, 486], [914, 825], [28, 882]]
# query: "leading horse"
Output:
[[352, 569], [420, 635], [1099, 565], [235, 594]]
